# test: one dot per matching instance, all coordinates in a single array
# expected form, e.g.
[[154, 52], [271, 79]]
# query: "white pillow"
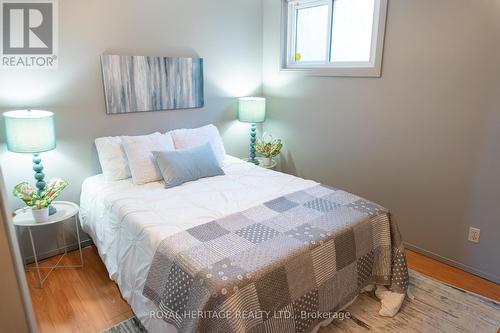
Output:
[[112, 157], [189, 138], [139, 151]]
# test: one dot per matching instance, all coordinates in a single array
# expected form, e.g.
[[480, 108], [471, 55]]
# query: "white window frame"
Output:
[[371, 68]]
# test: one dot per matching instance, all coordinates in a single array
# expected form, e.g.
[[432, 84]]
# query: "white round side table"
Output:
[[65, 210], [272, 166]]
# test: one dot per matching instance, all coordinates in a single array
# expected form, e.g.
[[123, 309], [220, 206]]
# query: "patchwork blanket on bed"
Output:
[[283, 266]]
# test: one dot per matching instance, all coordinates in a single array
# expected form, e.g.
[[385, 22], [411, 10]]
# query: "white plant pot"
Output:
[[40, 215], [267, 161]]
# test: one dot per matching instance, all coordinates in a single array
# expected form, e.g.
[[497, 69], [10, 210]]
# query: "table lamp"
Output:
[[252, 110], [31, 132]]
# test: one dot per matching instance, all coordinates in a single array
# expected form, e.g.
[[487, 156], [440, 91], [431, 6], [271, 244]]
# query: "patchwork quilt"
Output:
[[282, 266]]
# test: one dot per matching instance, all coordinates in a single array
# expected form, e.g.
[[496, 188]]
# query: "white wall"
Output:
[[227, 34], [422, 140]]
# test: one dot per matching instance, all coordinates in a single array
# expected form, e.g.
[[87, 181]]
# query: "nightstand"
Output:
[[65, 210]]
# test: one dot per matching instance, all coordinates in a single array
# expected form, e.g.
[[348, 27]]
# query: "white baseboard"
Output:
[[453, 263], [55, 252]]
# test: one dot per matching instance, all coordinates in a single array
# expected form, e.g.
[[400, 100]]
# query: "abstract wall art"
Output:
[[148, 83]]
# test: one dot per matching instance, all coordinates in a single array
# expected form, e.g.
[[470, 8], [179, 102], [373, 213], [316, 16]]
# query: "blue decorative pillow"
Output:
[[180, 166]]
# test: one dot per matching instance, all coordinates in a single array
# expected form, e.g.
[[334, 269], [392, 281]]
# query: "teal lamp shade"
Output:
[[29, 131], [252, 109]]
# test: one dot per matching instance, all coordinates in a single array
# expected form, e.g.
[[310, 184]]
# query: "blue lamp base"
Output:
[[52, 210], [40, 176], [253, 134]]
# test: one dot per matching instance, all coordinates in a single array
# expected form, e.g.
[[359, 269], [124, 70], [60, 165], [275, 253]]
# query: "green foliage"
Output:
[[268, 146], [38, 200]]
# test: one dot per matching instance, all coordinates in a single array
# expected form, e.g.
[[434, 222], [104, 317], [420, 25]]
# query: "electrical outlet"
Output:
[[474, 234]]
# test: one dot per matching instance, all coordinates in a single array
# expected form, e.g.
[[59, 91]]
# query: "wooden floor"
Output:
[[78, 300], [86, 300]]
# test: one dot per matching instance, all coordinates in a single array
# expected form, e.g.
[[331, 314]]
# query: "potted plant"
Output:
[[39, 201], [268, 147]]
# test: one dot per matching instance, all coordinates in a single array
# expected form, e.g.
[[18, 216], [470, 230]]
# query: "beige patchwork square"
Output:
[[334, 293], [324, 262], [245, 299], [382, 261], [381, 230], [229, 245]]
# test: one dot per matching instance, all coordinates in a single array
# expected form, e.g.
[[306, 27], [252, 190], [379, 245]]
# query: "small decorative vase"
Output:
[[40, 215], [267, 161]]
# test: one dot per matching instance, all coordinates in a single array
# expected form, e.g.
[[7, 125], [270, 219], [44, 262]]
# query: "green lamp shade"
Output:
[[252, 109], [29, 131]]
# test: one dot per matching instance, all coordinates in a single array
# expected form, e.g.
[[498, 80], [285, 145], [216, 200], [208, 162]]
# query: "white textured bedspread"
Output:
[[127, 222]]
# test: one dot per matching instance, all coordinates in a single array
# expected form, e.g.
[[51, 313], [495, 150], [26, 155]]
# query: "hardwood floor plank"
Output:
[[452, 275], [78, 300], [87, 300]]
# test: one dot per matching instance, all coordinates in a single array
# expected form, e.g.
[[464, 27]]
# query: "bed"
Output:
[[134, 227]]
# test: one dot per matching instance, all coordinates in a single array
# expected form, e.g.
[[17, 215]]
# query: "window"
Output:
[[334, 37]]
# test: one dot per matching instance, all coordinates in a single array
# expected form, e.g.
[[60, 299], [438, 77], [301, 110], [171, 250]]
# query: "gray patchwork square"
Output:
[[229, 244], [300, 274], [338, 290], [400, 277], [308, 234], [260, 213], [176, 294], [225, 270], [367, 207], [280, 204], [235, 221], [269, 252], [257, 233], [363, 235], [339, 219], [197, 293], [300, 197], [321, 205], [272, 290], [345, 248], [364, 267], [293, 218], [158, 275], [309, 303], [207, 231]]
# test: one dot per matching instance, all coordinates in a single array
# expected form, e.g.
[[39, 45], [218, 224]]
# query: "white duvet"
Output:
[[127, 222]]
